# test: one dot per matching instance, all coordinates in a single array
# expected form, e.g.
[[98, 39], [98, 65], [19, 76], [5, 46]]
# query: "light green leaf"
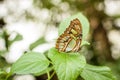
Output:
[[85, 24], [68, 66], [97, 73], [31, 62]]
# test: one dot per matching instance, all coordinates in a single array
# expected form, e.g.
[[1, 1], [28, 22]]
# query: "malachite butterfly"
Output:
[[72, 33]]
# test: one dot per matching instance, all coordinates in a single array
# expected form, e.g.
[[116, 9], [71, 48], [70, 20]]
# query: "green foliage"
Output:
[[1, 34], [3, 62], [3, 74], [91, 72], [2, 52], [5, 35], [68, 66], [36, 43], [18, 37], [31, 62]]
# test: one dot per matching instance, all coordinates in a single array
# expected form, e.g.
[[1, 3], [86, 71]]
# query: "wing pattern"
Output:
[[73, 32]]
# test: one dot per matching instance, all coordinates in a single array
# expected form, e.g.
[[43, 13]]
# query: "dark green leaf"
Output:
[[67, 65], [97, 73], [31, 62]]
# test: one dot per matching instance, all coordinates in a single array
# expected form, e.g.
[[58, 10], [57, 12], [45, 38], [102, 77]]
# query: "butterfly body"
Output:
[[73, 32]]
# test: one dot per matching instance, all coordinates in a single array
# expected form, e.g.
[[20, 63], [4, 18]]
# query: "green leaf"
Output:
[[36, 43], [67, 65], [97, 73], [31, 62], [85, 24]]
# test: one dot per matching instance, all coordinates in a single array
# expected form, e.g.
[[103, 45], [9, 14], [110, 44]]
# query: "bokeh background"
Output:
[[37, 21]]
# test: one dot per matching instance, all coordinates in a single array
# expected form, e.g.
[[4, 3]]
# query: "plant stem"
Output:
[[52, 74], [48, 74]]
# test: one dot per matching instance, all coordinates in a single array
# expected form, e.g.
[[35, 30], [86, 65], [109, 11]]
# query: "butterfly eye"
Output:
[[73, 32]]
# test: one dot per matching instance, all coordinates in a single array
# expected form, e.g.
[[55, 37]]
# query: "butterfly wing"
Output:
[[73, 32]]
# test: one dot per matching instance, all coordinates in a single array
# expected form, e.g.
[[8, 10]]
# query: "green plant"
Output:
[[67, 66], [8, 42]]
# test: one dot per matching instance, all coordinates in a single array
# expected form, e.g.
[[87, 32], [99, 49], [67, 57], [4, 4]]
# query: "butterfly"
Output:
[[73, 32]]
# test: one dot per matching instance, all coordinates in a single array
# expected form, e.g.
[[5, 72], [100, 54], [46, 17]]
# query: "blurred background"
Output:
[[27, 25]]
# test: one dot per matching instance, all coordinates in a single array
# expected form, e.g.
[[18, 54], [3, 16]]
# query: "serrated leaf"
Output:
[[31, 62], [67, 65], [85, 24], [97, 73]]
